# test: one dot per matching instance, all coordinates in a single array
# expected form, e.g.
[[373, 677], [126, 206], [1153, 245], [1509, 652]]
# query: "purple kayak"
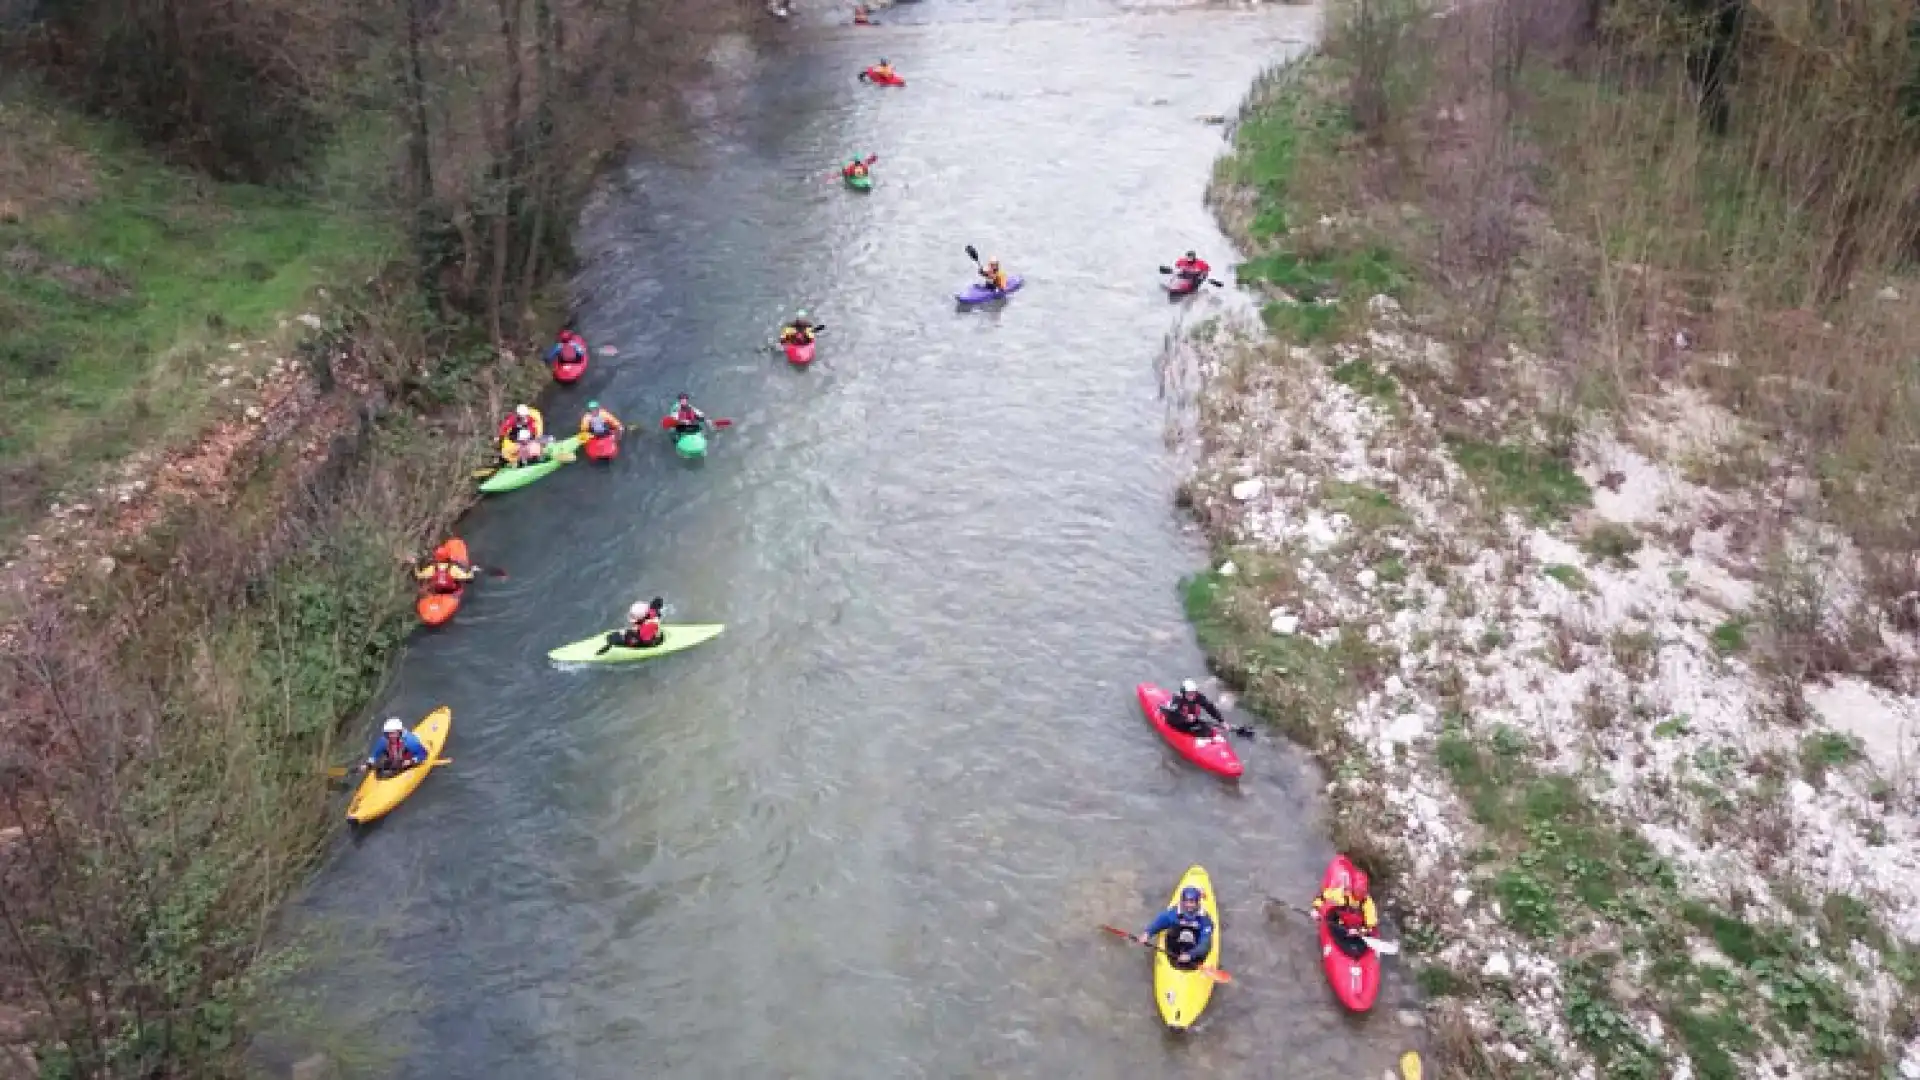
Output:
[[977, 293]]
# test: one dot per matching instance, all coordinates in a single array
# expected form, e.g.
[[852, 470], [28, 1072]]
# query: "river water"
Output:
[[873, 829]]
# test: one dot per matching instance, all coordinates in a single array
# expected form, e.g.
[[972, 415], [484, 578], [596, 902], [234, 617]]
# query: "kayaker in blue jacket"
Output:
[[396, 749], [1188, 927], [1184, 712]]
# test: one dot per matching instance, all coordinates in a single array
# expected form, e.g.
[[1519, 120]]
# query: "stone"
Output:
[[1497, 966], [104, 565], [1284, 624], [253, 412], [1461, 896], [1248, 489], [1382, 304], [1227, 569], [1367, 579], [309, 320], [1408, 1018], [1889, 293]]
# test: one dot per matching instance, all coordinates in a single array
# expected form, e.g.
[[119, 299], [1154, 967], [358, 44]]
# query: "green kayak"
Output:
[[691, 445], [860, 183], [513, 479], [676, 636]]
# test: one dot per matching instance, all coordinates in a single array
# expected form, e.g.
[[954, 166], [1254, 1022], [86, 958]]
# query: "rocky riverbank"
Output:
[[1632, 744]]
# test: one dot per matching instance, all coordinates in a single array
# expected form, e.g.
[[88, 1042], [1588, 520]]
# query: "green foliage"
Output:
[[1302, 324], [1601, 1026], [1571, 576], [1370, 509], [1543, 486], [1822, 751], [1730, 637], [1364, 379]]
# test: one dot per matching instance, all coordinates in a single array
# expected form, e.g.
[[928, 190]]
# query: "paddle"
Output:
[[1216, 974], [1379, 945], [667, 422], [1210, 281], [340, 772], [842, 170]]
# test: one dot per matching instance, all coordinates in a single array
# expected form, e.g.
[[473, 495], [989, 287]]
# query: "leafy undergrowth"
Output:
[[125, 283], [1575, 693]]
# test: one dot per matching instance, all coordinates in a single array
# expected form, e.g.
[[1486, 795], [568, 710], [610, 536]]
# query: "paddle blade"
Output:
[[1384, 948], [482, 474], [723, 422], [1217, 975], [1166, 269], [666, 422], [972, 254], [1117, 932], [338, 772]]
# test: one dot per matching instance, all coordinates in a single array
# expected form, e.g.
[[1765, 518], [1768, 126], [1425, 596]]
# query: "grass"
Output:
[[1572, 577], [122, 293], [1611, 542], [1363, 378], [1540, 485], [1368, 508], [1730, 637]]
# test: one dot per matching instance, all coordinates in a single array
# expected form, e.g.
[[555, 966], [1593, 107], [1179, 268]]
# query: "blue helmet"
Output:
[[1191, 892]]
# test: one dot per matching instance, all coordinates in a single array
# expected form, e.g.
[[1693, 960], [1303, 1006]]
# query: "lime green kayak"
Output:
[[675, 637], [513, 479], [860, 183]]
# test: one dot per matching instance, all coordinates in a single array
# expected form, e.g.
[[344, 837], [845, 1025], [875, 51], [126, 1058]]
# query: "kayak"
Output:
[[674, 637], [1183, 995], [860, 183], [799, 353], [516, 477], [1356, 982], [977, 293], [1178, 286], [692, 444], [1214, 755], [377, 796], [436, 608], [894, 79], [570, 373], [603, 448]]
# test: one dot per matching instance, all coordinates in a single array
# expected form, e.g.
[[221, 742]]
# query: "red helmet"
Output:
[[1357, 885]]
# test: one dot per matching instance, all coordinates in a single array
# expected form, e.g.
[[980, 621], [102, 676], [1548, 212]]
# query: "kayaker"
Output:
[[643, 627], [598, 422], [882, 71], [443, 576], [1188, 927], [1349, 913], [522, 447], [686, 418], [568, 346], [524, 416], [396, 749], [800, 331], [861, 17], [1191, 267], [1185, 710], [995, 277], [855, 168]]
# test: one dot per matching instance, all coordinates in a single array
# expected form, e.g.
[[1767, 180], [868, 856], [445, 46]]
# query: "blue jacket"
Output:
[[411, 741], [1171, 918]]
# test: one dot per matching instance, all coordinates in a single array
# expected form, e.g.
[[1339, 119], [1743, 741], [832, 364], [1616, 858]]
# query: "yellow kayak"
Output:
[[1183, 995], [377, 796]]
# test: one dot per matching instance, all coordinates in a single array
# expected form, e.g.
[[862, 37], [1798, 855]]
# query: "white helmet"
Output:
[[522, 411], [393, 726], [638, 611], [1189, 687]]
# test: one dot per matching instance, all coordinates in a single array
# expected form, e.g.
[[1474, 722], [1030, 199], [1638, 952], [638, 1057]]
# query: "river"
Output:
[[872, 830]]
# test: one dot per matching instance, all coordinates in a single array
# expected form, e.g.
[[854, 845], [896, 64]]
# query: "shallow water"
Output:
[[873, 829]]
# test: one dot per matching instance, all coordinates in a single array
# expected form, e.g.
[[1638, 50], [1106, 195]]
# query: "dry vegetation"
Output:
[[211, 604], [1568, 513]]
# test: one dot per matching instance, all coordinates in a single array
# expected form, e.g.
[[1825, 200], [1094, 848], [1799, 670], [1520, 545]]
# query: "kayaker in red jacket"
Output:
[[1185, 712], [800, 331], [1349, 913], [1191, 267], [524, 416], [686, 418], [443, 576], [643, 627]]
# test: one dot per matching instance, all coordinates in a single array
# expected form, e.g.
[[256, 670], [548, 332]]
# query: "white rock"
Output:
[[1382, 304], [1497, 966], [1285, 624], [1889, 293], [1227, 569], [1367, 579], [1249, 489], [253, 412], [104, 565], [1461, 896], [309, 320], [234, 346], [1910, 1068]]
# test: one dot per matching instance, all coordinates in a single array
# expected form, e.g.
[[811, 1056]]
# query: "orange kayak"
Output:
[[435, 608]]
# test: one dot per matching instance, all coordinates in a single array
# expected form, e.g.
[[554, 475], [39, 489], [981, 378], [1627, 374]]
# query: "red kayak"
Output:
[[603, 448], [800, 353], [570, 373], [1178, 286], [883, 80], [1213, 755], [436, 608], [1355, 980]]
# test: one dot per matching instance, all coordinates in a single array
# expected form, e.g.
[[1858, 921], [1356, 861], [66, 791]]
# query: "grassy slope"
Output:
[[125, 280]]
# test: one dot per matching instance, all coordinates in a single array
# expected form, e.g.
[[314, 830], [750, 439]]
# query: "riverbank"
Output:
[[1607, 670]]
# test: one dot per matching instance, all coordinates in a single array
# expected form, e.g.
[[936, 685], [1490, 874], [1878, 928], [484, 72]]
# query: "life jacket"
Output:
[[646, 631], [1350, 917], [443, 578], [1184, 936], [1189, 707], [598, 424], [394, 752], [687, 416], [1192, 267], [569, 352]]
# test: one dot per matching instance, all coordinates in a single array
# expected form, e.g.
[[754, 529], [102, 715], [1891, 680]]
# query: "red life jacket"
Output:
[[687, 414], [648, 630], [443, 579]]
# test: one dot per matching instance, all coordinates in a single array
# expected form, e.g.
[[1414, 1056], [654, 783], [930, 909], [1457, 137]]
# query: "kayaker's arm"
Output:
[[1160, 924]]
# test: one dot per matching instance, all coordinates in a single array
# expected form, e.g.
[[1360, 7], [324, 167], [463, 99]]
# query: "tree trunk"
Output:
[[540, 193]]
